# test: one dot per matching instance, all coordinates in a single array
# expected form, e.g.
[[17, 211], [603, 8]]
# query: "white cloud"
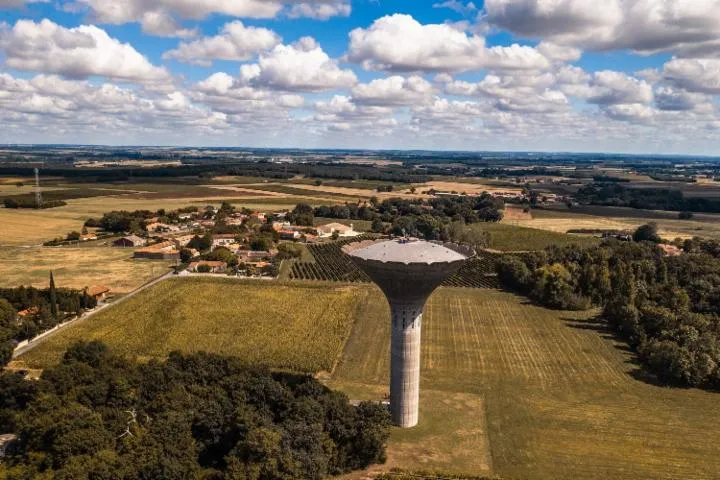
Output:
[[613, 88], [399, 43], [302, 66], [234, 42], [79, 52], [395, 90], [696, 75], [320, 10], [465, 9], [684, 27], [162, 17]]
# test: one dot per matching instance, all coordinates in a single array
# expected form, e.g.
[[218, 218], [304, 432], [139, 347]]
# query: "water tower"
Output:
[[407, 271]]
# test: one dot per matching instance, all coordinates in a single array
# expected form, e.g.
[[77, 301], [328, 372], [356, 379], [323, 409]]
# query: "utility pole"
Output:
[[38, 193]]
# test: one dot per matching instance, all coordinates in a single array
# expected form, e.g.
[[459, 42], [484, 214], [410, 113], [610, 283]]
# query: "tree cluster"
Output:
[[197, 416], [49, 306], [428, 219], [666, 308]]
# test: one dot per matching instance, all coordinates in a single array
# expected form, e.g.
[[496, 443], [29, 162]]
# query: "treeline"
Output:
[[666, 308], [265, 169], [119, 221], [31, 203], [616, 195], [428, 219], [96, 415]]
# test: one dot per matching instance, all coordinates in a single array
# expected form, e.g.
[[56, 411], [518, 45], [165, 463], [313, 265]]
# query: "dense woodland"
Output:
[[666, 308], [618, 195], [98, 416]]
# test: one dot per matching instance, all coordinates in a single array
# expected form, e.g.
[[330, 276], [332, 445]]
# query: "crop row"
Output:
[[332, 265]]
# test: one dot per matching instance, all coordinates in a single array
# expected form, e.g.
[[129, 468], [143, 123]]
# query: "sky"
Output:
[[631, 76]]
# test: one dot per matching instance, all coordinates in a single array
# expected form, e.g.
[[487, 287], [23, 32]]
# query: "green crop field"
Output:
[[508, 388], [511, 238], [296, 327]]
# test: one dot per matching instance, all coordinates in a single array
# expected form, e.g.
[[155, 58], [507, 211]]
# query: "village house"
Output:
[[247, 256], [87, 237], [670, 250], [129, 242], [215, 267], [290, 235], [328, 230], [98, 292], [27, 313], [159, 251], [223, 239], [183, 240]]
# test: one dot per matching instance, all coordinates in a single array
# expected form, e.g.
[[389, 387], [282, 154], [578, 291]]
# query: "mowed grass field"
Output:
[[77, 267], [530, 393], [296, 327], [507, 387]]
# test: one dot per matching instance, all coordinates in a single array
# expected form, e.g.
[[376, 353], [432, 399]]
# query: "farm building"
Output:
[[86, 237], [159, 251], [98, 292], [129, 242], [342, 230], [215, 267]]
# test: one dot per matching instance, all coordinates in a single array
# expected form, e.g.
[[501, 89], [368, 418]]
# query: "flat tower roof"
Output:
[[407, 252]]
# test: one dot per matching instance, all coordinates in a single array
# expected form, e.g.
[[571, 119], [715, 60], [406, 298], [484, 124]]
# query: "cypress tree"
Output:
[[53, 298]]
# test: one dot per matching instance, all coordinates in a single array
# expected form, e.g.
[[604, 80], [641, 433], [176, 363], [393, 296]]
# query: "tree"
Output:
[[53, 298], [185, 255], [685, 215], [377, 226], [261, 243], [73, 236], [201, 244], [647, 233], [302, 214]]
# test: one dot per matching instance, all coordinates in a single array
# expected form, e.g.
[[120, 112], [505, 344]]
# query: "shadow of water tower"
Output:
[[408, 272]]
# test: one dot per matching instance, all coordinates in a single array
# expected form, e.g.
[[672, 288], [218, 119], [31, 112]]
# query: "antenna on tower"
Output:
[[38, 194]]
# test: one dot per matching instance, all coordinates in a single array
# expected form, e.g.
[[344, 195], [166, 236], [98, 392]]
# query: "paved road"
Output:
[[20, 351]]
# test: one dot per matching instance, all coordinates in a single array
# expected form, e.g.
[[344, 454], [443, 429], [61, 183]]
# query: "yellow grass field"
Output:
[[300, 327], [77, 267]]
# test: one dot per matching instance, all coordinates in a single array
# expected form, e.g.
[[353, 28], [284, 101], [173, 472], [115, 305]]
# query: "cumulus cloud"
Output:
[[399, 43], [395, 90], [170, 12], [684, 27], [302, 66], [234, 42], [696, 75], [79, 52]]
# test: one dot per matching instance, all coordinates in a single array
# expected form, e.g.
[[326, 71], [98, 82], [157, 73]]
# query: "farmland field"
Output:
[[77, 267], [508, 388], [302, 328], [599, 217]]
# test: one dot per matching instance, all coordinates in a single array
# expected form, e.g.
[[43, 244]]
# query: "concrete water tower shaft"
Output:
[[407, 271]]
